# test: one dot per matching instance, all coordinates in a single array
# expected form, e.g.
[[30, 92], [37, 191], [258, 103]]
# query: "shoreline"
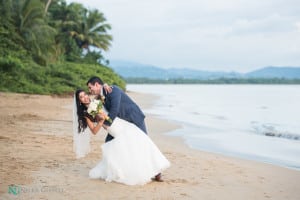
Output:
[[196, 135], [229, 155], [36, 153]]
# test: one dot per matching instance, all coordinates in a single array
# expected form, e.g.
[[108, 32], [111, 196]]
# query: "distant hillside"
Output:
[[128, 69], [275, 72]]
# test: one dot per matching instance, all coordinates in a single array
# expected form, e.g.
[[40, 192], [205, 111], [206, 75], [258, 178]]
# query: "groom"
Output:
[[118, 104]]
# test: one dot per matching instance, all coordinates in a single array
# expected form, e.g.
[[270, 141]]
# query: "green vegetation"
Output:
[[50, 47]]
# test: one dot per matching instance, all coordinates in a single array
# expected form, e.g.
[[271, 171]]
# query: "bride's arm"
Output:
[[94, 128]]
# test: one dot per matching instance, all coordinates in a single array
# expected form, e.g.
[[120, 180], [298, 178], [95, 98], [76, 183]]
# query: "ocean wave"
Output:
[[275, 130]]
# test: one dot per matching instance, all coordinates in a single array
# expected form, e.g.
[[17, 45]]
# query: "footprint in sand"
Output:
[[4, 138], [177, 180]]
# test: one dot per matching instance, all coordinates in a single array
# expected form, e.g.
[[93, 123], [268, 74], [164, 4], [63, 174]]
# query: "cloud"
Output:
[[269, 25], [231, 34]]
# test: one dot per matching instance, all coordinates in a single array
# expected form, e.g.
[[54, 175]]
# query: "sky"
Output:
[[215, 35]]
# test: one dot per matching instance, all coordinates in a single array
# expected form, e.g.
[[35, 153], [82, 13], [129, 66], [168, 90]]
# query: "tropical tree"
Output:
[[78, 29], [64, 18], [52, 29], [7, 27], [31, 25], [48, 2], [91, 31]]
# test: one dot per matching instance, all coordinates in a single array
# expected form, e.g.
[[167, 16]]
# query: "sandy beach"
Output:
[[38, 162]]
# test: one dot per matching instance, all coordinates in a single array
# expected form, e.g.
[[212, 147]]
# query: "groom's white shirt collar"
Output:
[[102, 91]]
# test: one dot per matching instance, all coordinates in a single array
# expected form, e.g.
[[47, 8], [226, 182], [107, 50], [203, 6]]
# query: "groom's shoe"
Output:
[[157, 178]]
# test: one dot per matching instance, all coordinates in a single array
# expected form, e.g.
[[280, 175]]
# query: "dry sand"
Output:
[[37, 158]]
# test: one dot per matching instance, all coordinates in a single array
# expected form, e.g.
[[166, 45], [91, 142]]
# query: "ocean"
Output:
[[256, 122]]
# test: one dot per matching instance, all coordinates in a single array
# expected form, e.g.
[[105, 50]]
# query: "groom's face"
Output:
[[95, 89]]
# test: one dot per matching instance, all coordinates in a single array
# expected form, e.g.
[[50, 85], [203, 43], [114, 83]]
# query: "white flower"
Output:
[[93, 106]]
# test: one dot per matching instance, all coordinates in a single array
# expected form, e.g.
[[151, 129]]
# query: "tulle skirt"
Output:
[[130, 158]]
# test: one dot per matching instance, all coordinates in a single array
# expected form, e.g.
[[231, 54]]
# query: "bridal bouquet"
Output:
[[96, 107]]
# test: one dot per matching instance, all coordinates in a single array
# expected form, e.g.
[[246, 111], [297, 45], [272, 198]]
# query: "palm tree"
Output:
[[47, 6], [92, 30], [78, 28], [65, 18], [10, 41], [31, 25]]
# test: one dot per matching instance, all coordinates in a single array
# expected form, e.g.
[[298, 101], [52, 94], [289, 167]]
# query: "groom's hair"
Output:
[[95, 79]]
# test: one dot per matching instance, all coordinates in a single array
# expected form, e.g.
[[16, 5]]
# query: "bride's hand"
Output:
[[107, 88], [103, 115], [100, 117]]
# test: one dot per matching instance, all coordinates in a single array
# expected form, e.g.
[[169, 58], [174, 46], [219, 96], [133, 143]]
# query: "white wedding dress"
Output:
[[130, 158]]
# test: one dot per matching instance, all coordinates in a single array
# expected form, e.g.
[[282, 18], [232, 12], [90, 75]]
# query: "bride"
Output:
[[130, 158]]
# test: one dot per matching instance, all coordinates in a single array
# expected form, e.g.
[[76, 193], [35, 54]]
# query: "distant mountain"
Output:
[[129, 69], [275, 72]]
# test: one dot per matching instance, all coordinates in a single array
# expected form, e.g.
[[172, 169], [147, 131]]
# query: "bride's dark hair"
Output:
[[81, 112]]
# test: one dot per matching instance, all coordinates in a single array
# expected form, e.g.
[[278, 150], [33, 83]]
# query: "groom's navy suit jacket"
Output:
[[119, 104]]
